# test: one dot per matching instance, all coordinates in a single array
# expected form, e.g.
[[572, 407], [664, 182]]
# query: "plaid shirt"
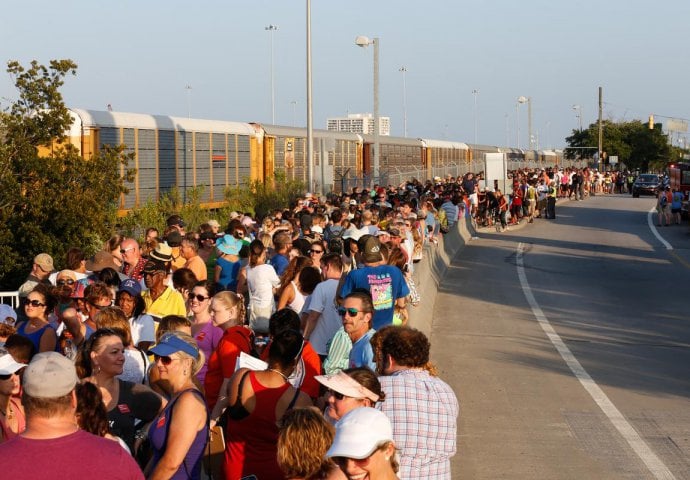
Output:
[[423, 411]]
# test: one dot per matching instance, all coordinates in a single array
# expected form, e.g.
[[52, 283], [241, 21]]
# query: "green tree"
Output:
[[51, 199], [633, 142]]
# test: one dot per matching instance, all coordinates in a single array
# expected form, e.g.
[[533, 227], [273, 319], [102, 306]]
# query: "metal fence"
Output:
[[346, 182], [10, 298]]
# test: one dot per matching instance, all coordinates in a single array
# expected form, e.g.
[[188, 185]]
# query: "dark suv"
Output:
[[646, 184]]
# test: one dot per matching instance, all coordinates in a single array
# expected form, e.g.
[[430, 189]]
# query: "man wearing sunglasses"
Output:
[[133, 262], [357, 313]]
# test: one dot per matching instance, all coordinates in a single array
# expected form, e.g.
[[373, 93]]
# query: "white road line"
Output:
[[650, 222], [653, 463]]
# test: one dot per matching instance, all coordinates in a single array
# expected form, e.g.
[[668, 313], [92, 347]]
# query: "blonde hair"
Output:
[[303, 440], [115, 319], [229, 300], [173, 323]]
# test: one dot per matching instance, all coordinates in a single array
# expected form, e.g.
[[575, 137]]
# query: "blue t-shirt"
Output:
[[279, 263], [362, 355], [677, 202], [385, 283]]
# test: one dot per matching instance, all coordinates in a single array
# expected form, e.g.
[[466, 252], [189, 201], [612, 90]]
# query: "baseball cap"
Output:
[[6, 312], [372, 250], [175, 220], [360, 432], [44, 261], [130, 286], [214, 223], [317, 229], [170, 343], [8, 365], [341, 382], [49, 375], [353, 202]]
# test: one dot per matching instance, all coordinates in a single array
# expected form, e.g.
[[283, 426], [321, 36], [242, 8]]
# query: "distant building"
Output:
[[359, 123]]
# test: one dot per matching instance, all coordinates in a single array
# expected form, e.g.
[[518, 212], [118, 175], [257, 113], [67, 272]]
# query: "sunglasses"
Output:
[[35, 303], [337, 395], [315, 251], [200, 298], [164, 359], [98, 307], [69, 281], [350, 312]]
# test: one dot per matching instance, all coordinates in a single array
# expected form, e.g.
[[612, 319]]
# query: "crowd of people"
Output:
[[286, 338]]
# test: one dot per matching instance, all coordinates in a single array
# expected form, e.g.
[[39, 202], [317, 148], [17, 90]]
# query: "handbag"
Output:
[[413, 297]]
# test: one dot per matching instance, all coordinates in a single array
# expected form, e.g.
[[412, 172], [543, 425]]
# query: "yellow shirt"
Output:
[[169, 303]]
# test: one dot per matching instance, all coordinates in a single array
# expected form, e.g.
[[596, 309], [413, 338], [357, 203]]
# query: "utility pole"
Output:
[[601, 127]]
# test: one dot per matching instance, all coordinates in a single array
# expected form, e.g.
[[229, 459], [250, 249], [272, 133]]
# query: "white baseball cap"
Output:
[[360, 432], [8, 365]]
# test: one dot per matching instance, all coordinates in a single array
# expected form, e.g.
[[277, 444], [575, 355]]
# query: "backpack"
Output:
[[335, 242], [663, 200]]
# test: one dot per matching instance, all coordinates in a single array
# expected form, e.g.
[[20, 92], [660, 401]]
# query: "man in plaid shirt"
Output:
[[422, 408]]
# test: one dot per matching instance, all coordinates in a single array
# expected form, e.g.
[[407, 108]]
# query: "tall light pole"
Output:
[[188, 87], [310, 127], [272, 29], [528, 101], [403, 70], [578, 114], [363, 41]]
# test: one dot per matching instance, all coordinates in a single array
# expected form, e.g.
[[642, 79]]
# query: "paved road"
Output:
[[568, 343]]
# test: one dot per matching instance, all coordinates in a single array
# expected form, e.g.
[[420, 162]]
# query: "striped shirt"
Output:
[[338, 353]]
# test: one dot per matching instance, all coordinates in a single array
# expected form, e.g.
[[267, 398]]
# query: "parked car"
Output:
[[646, 184]]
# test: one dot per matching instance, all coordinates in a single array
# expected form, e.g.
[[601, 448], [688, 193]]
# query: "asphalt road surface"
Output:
[[567, 342]]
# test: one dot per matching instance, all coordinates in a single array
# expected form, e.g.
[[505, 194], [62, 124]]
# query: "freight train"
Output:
[[182, 153]]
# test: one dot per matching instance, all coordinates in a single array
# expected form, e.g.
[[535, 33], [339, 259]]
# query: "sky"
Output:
[[141, 55]]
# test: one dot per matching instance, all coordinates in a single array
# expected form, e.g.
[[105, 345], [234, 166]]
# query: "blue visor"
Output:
[[171, 343]]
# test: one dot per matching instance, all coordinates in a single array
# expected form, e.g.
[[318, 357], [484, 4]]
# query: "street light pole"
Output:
[[272, 29], [363, 41], [310, 127], [404, 71], [188, 87], [578, 109], [522, 99]]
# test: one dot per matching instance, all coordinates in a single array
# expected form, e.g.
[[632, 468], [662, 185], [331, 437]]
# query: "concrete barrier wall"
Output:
[[429, 273]]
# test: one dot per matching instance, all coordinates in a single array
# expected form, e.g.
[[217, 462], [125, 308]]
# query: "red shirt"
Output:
[[221, 365]]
